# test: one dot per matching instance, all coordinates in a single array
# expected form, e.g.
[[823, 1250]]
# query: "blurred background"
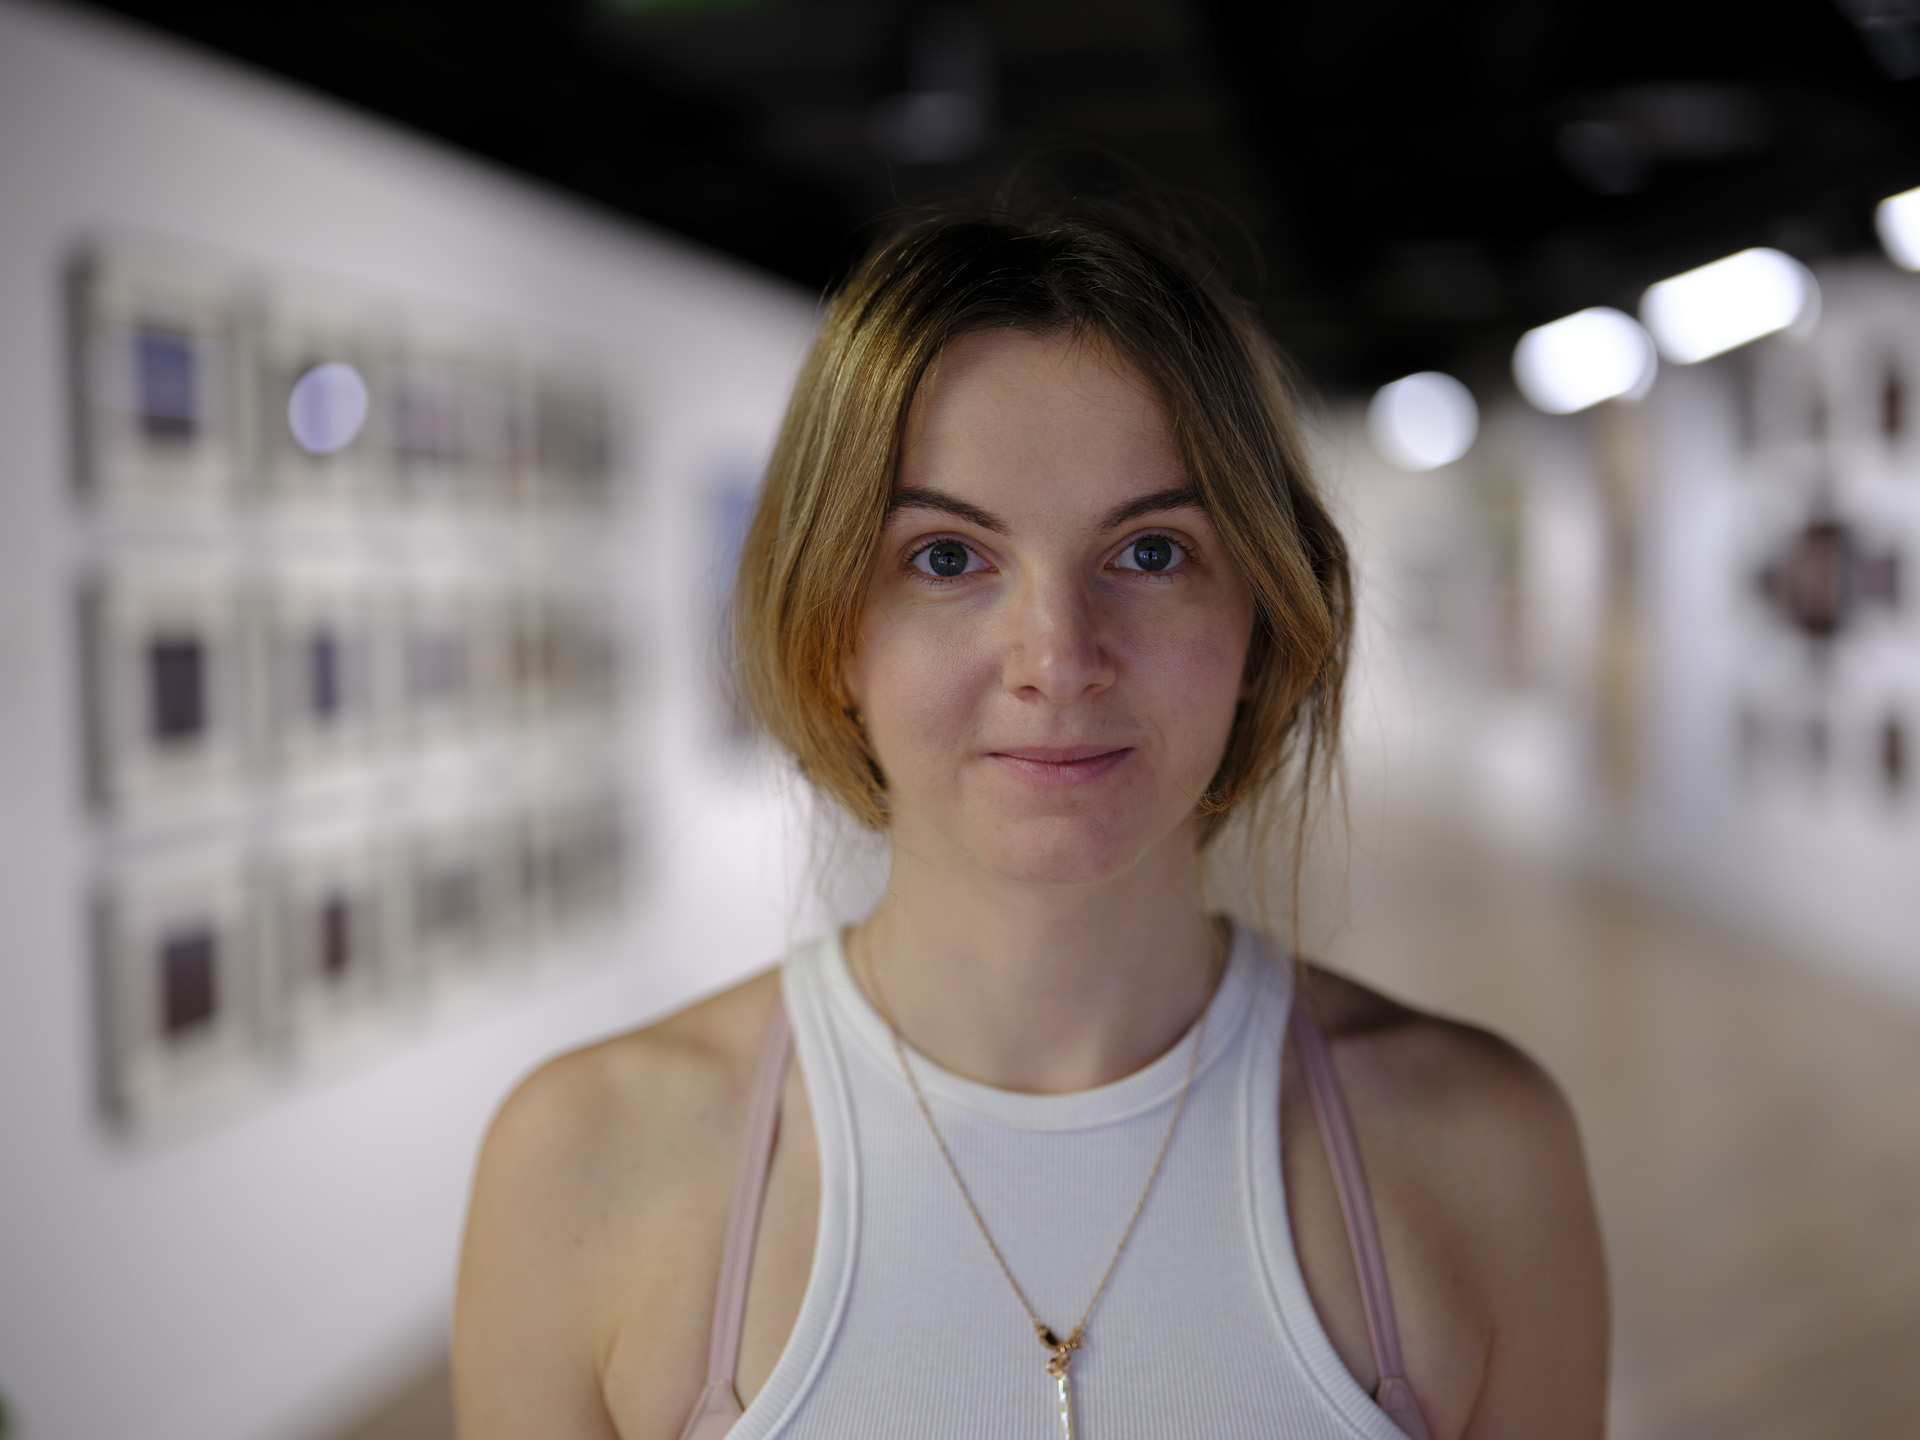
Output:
[[383, 392]]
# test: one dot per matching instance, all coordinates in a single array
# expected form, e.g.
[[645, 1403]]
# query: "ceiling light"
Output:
[[1717, 307], [1898, 220], [1423, 421], [1582, 359], [327, 408]]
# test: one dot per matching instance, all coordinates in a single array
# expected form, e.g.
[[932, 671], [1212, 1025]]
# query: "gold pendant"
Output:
[[1059, 1357]]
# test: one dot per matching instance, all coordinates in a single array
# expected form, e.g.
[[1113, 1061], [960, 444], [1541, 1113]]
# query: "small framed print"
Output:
[[332, 937], [563, 653], [587, 671], [164, 690], [181, 952], [449, 428], [161, 380], [449, 899], [454, 649], [528, 656], [447, 662], [586, 844], [562, 456], [517, 921], [317, 668], [526, 872], [1893, 753]]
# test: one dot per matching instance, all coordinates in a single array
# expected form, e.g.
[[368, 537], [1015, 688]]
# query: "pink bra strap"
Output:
[[1394, 1396], [720, 1402]]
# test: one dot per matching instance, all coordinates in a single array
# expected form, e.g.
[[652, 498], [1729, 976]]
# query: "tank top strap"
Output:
[[719, 1405], [1395, 1395]]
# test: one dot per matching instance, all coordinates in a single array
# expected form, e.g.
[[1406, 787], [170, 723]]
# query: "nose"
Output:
[[1055, 649]]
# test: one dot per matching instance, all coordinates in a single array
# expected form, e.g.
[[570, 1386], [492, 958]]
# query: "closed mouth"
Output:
[[1061, 754], [1061, 763]]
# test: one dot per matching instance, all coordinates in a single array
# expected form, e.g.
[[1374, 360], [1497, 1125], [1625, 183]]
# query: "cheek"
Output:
[[917, 686], [1195, 673]]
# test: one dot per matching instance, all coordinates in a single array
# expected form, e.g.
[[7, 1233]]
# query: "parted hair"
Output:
[[1097, 274]]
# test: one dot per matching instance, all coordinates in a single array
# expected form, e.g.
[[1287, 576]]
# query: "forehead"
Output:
[[1008, 411]]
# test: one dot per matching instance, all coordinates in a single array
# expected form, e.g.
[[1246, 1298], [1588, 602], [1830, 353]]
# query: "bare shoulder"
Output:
[[1487, 1100], [1479, 1179], [598, 1187], [641, 1097]]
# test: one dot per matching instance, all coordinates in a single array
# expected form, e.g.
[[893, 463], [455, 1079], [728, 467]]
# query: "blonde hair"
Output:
[[1230, 406]]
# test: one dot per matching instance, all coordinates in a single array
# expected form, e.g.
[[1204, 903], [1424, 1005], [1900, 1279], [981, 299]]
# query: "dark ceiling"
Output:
[[1418, 181]]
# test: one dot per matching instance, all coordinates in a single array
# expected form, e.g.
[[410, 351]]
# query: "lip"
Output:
[[1061, 764]]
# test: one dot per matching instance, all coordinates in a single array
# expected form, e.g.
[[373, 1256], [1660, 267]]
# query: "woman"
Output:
[[1041, 588]]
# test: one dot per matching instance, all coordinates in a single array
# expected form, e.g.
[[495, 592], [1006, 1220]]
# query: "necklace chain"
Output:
[[1061, 1350]]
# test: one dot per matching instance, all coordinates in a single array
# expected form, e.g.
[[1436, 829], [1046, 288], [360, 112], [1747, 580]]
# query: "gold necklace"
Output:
[[1059, 1352]]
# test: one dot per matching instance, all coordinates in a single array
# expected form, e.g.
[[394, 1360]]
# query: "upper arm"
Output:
[[524, 1361], [594, 1234], [1486, 1215], [1520, 1182]]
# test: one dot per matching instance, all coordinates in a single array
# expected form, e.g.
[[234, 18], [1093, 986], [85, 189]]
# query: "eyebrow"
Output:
[[915, 497], [1182, 497]]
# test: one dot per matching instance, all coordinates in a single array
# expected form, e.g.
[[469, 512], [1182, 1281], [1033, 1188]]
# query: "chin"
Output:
[[1064, 851]]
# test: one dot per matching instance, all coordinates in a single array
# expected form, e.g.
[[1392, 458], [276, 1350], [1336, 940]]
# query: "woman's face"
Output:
[[1053, 639]]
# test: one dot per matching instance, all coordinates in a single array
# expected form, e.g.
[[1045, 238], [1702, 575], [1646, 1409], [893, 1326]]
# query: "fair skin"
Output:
[[1049, 658]]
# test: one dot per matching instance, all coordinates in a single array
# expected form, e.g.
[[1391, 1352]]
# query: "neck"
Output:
[[1040, 988]]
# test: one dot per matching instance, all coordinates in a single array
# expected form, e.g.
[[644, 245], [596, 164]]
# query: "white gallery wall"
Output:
[[1781, 530], [266, 1269], [1677, 640]]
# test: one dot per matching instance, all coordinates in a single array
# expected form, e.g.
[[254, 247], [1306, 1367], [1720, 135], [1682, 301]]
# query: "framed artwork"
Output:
[[315, 664], [161, 381], [452, 645], [332, 935], [561, 450], [450, 428], [731, 499], [450, 898], [182, 949], [165, 688], [586, 854], [564, 655], [344, 599]]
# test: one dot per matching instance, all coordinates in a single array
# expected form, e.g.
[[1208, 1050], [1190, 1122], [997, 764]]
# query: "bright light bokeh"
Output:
[[1898, 221], [1423, 421], [1582, 359], [1718, 307], [327, 408]]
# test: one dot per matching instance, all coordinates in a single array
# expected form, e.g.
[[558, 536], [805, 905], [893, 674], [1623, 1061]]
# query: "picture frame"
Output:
[[181, 947], [165, 693], [161, 374]]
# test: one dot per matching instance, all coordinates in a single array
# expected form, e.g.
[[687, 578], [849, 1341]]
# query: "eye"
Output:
[[946, 560], [1151, 553]]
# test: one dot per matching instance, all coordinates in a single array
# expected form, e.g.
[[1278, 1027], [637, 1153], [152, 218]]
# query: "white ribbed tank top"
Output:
[[907, 1328]]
